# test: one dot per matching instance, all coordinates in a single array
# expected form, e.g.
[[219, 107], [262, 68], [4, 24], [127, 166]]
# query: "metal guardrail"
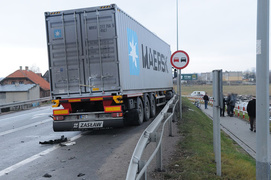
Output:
[[151, 135], [21, 103]]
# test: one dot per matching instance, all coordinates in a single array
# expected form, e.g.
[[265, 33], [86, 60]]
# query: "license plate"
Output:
[[89, 116], [95, 124]]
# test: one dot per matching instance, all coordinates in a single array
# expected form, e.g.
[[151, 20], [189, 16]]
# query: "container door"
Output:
[[100, 48], [65, 50]]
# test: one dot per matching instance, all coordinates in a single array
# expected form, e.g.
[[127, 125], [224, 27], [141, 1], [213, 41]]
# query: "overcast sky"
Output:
[[217, 34]]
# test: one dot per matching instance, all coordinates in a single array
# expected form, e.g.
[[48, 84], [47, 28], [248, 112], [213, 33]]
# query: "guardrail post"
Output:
[[170, 124], [141, 165], [159, 154], [170, 127]]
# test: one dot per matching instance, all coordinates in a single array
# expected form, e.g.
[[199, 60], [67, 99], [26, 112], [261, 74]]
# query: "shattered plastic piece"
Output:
[[80, 174], [56, 141], [47, 175], [72, 158], [68, 143]]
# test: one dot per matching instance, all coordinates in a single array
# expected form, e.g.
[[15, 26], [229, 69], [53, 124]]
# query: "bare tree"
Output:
[[35, 69]]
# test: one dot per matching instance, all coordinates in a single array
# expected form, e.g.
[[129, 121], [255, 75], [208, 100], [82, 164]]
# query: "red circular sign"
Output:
[[179, 59]]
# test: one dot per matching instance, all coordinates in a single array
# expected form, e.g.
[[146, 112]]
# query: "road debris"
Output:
[[47, 175], [68, 143], [80, 175], [72, 158], [56, 141]]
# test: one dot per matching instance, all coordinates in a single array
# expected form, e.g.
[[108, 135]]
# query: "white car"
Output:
[[198, 93]]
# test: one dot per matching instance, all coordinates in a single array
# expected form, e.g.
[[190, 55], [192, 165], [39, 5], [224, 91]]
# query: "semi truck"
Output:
[[105, 69]]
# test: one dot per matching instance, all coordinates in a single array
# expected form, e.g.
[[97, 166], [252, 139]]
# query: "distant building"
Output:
[[206, 77], [46, 76], [18, 92], [228, 77], [28, 77], [232, 77]]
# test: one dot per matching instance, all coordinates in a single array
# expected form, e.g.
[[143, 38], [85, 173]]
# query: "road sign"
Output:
[[189, 77], [179, 59]]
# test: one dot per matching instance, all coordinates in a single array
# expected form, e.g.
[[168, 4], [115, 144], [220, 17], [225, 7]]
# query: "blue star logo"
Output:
[[57, 33], [133, 52]]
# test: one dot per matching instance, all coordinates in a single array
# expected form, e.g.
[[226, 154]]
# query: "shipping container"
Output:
[[101, 52]]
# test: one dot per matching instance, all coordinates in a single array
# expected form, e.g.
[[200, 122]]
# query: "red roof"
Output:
[[35, 78]]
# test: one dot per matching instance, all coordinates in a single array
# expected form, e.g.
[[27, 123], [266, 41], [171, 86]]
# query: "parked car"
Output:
[[198, 93]]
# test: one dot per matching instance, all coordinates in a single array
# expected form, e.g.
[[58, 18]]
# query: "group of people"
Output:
[[230, 102]]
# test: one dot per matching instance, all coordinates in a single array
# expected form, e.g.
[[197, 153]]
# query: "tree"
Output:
[[35, 69]]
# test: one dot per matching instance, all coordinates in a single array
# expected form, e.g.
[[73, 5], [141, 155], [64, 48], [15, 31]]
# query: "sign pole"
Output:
[[179, 60], [217, 81], [180, 93], [262, 92], [179, 84]]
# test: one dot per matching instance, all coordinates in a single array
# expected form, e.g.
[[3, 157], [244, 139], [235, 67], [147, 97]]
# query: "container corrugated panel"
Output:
[[65, 50], [144, 57], [101, 51]]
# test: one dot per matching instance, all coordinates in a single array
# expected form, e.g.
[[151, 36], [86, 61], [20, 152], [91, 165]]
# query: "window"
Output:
[[2, 95]]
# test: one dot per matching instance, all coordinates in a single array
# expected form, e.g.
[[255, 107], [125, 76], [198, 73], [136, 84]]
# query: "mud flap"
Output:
[[131, 117]]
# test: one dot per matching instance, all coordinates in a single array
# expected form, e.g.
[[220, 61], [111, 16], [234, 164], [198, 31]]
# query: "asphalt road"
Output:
[[97, 154]]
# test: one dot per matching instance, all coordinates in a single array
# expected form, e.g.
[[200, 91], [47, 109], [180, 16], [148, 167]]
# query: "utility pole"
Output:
[[262, 92]]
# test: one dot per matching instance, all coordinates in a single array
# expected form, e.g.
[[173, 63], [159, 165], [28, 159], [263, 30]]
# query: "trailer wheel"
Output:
[[152, 106], [140, 111], [169, 95], [147, 112]]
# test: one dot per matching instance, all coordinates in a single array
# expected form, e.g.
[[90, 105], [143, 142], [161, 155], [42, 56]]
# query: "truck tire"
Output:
[[140, 111], [152, 106], [147, 112], [169, 95]]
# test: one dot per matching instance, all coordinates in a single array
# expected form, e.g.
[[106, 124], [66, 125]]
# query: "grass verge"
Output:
[[237, 89], [194, 158]]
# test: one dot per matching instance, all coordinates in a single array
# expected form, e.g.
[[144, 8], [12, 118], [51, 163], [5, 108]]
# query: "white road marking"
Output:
[[23, 113], [24, 127], [32, 158], [41, 114]]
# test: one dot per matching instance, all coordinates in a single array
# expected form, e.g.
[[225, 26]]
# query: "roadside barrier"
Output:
[[24, 104], [138, 168], [238, 109], [244, 112], [200, 100], [241, 108]]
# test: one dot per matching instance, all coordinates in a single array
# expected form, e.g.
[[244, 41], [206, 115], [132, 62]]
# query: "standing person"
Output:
[[229, 104], [232, 103], [206, 99], [251, 110], [222, 109]]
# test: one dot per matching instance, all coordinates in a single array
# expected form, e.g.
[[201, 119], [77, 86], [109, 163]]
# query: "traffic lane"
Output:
[[24, 143], [87, 156], [23, 118]]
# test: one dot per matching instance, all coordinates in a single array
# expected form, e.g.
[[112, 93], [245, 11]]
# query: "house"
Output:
[[18, 92], [28, 77]]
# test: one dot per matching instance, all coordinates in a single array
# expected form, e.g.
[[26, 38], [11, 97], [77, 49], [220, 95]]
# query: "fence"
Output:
[[24, 104], [151, 134]]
